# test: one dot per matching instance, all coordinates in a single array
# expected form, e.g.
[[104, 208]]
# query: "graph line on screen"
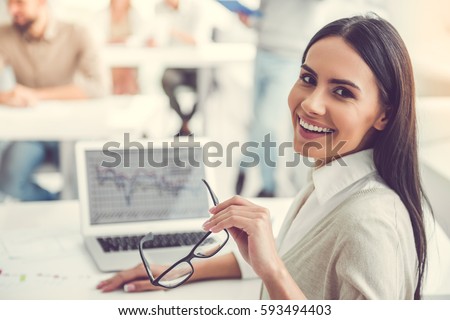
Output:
[[142, 179], [142, 192]]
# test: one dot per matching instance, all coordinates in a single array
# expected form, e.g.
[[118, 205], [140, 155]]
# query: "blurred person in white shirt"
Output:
[[121, 23], [180, 23]]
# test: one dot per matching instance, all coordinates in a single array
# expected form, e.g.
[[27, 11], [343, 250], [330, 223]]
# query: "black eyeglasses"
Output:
[[182, 270]]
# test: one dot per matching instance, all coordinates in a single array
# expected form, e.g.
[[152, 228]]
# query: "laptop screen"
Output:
[[145, 185]]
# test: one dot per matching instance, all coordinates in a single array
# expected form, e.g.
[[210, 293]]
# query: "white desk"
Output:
[[74, 120], [55, 226], [78, 119], [201, 56], [58, 266]]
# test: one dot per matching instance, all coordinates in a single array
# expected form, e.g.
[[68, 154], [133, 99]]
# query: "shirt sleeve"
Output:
[[91, 73]]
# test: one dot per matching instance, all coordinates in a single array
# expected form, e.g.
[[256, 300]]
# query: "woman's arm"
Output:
[[136, 279], [220, 267]]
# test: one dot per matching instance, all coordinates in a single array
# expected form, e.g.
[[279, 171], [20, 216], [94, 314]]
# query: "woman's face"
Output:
[[334, 104]]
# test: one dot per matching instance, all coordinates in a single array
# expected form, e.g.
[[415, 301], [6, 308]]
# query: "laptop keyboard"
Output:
[[126, 243]]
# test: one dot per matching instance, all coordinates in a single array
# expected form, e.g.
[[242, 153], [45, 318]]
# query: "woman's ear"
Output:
[[381, 121]]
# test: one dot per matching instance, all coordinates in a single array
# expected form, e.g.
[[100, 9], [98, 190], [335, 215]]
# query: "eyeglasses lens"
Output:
[[211, 245], [176, 275]]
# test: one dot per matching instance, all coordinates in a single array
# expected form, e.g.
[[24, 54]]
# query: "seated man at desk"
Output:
[[180, 22], [50, 59]]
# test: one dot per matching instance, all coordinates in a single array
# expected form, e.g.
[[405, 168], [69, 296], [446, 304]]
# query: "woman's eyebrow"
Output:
[[345, 82], [335, 81], [309, 69]]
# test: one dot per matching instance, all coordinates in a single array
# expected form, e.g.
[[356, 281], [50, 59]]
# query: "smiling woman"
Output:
[[386, 108], [356, 230], [335, 101]]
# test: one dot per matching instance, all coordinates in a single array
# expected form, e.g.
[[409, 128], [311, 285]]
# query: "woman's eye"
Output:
[[345, 93], [308, 79]]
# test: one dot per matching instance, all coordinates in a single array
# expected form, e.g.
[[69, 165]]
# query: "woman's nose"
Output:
[[314, 103]]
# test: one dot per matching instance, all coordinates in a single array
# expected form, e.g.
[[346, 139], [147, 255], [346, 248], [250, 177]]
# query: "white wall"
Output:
[[429, 34], [424, 26]]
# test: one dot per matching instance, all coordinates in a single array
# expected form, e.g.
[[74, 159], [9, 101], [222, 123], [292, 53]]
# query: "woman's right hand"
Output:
[[132, 280]]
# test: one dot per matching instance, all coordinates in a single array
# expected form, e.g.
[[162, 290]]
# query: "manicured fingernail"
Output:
[[129, 287]]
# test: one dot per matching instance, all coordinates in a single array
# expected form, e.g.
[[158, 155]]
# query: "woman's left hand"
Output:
[[251, 228]]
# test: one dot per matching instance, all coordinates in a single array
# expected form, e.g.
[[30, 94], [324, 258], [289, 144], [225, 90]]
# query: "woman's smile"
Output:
[[309, 129]]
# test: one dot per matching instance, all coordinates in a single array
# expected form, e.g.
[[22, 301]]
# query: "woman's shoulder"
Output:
[[377, 207], [373, 200], [372, 211]]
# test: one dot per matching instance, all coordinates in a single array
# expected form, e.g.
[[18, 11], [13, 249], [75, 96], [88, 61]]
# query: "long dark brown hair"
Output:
[[395, 147]]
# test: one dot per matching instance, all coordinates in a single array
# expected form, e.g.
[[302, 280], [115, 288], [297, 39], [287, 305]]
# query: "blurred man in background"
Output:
[[51, 59]]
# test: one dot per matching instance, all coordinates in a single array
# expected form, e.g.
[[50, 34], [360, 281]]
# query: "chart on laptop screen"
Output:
[[145, 185]]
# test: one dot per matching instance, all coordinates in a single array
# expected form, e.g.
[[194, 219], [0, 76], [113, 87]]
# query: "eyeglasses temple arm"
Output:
[[213, 195]]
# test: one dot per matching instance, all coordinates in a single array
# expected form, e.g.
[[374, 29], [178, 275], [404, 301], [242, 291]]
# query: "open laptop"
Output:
[[127, 193]]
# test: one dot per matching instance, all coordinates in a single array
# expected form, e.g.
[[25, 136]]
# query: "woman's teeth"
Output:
[[314, 128]]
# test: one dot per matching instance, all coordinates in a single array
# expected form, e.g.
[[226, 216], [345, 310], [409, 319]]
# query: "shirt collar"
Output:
[[341, 173]]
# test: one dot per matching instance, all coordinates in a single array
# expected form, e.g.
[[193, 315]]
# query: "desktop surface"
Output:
[[42, 256]]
